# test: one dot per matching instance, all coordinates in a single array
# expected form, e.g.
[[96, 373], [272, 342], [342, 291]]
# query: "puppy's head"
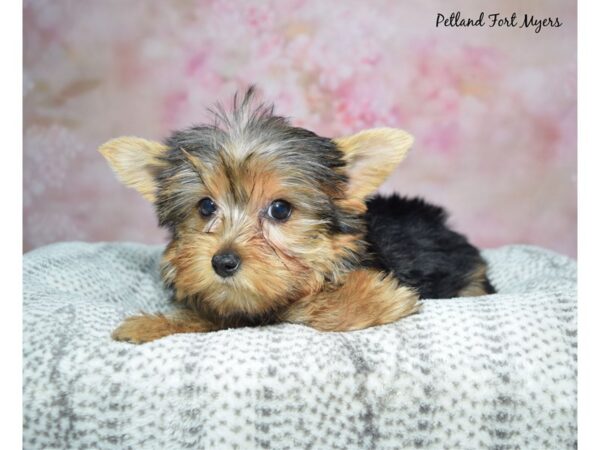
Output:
[[260, 212]]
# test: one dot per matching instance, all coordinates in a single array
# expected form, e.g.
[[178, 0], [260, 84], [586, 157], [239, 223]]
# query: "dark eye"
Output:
[[207, 207], [279, 210]]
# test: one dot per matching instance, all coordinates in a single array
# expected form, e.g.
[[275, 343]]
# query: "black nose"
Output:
[[226, 263]]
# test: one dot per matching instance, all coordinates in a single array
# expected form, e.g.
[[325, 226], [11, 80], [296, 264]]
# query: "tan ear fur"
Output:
[[132, 159], [371, 156]]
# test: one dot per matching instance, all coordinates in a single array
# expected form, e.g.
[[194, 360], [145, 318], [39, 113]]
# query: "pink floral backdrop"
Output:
[[493, 110]]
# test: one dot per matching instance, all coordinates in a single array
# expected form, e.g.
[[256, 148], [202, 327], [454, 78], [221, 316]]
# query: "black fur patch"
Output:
[[410, 238]]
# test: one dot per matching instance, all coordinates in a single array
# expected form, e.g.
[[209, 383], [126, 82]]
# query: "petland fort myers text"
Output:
[[456, 19]]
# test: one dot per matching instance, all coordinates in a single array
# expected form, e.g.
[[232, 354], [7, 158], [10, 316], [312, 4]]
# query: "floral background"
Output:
[[493, 110]]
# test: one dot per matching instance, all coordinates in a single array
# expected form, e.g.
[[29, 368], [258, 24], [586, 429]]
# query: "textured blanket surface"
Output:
[[488, 372]]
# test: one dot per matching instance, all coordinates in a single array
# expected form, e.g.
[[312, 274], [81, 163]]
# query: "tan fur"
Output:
[[131, 158], [149, 327], [367, 298], [476, 286], [371, 156]]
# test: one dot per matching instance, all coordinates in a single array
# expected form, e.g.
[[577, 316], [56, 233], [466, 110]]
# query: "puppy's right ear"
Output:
[[135, 160]]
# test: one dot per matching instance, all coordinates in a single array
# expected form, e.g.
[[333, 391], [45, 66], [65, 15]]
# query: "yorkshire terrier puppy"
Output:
[[272, 223]]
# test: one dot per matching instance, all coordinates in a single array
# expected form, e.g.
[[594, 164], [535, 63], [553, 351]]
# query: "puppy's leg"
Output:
[[478, 283], [148, 327], [366, 299]]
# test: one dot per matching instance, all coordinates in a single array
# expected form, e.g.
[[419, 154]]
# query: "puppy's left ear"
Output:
[[135, 161], [371, 156]]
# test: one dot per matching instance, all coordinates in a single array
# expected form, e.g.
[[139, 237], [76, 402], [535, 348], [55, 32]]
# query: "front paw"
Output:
[[141, 329]]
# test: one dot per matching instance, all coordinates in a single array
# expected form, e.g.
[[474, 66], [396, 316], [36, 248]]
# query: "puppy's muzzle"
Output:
[[226, 263]]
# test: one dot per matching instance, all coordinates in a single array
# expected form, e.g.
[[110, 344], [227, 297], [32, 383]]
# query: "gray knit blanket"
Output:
[[493, 372]]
